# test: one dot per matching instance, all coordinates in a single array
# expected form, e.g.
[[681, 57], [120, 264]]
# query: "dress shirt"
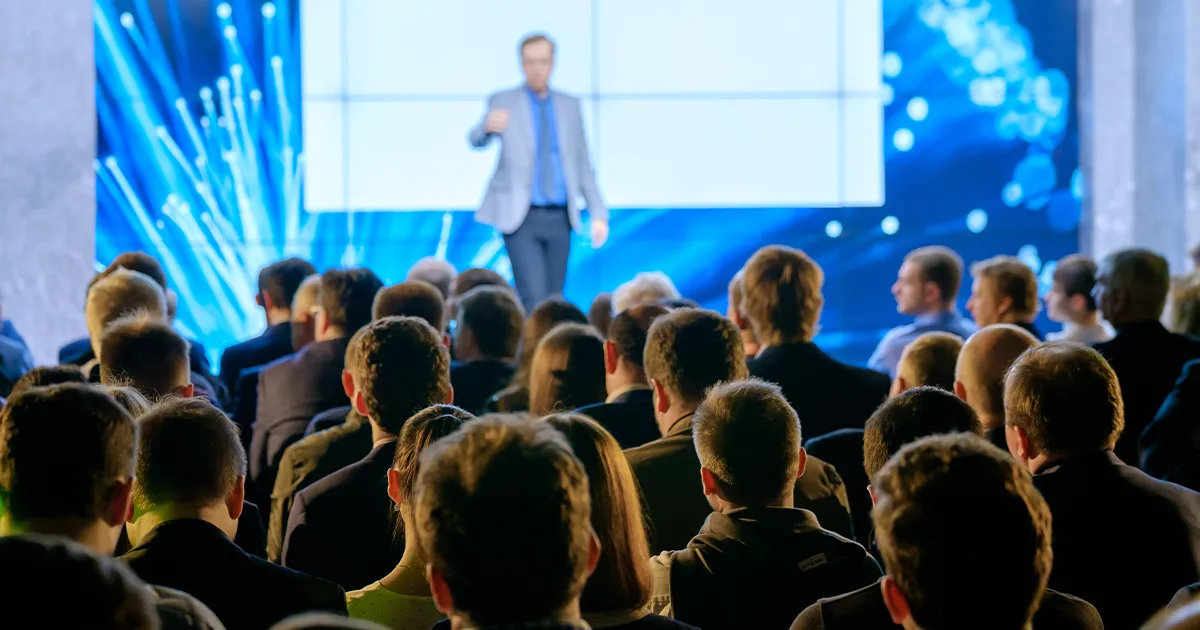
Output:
[[887, 355], [543, 108], [1084, 334]]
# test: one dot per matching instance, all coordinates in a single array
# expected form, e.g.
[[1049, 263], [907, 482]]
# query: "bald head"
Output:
[[982, 364], [303, 303]]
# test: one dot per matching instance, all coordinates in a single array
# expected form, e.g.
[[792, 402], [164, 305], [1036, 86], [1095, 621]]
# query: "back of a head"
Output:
[[437, 272], [516, 481], [783, 298], [324, 621], [1076, 274], [419, 432], [1185, 305], [930, 360], [280, 280], [189, 454], [61, 450], [748, 436], [910, 416], [545, 316], [347, 296], [629, 331], [600, 314], [648, 287], [737, 293], [1142, 277], [401, 367], [130, 399], [942, 266], [47, 375], [1065, 397], [103, 593], [145, 353], [963, 533], [689, 350], [306, 300], [983, 362], [412, 298], [494, 316], [1185, 617], [118, 294], [477, 277], [568, 370], [1014, 280], [142, 263]]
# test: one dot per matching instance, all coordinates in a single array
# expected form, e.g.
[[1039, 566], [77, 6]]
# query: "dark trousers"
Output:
[[538, 251]]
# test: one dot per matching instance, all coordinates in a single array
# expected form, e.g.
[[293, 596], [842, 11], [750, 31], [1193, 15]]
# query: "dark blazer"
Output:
[[1170, 445], [328, 419], [843, 449], [1032, 329], [251, 536], [342, 527], [275, 342], [15, 361], [668, 476], [476, 381], [864, 610], [827, 395], [244, 403], [1124, 541], [246, 593], [1148, 360], [629, 417], [649, 622], [291, 391]]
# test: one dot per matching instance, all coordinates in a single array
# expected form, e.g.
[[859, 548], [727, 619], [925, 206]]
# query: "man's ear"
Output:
[[348, 383], [262, 300], [735, 315], [393, 477], [446, 340], [894, 600], [442, 598], [803, 463], [1025, 450], [708, 481], [120, 503], [898, 386], [359, 402], [662, 400], [1078, 303], [236, 501], [450, 396], [1004, 307], [594, 551], [871, 491], [610, 357], [960, 390], [186, 391]]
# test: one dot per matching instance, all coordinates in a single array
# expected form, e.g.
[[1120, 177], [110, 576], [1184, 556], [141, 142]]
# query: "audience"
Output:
[[113, 296], [129, 399], [1124, 541], [15, 358], [1131, 290], [926, 289], [277, 286], [737, 314], [628, 410], [339, 528], [471, 278], [1186, 616], [46, 376], [1070, 302], [647, 287], [547, 315], [600, 313], [756, 549], [979, 374], [928, 361], [568, 370], [487, 336], [145, 354], [1185, 305], [437, 272], [1170, 445], [401, 600], [1004, 291], [783, 303], [412, 298]]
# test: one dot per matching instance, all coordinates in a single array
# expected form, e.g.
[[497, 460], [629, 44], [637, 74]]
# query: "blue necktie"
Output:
[[545, 172]]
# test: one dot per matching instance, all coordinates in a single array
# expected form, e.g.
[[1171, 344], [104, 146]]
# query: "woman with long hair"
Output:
[[542, 320], [567, 371]]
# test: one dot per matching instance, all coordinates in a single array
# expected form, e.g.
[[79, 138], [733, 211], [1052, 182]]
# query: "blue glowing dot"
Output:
[[1012, 194], [1077, 184], [988, 91], [224, 10], [221, 122], [276, 62], [223, 83], [206, 93], [96, 164], [204, 121], [160, 225], [903, 139], [199, 162], [110, 162], [180, 104], [230, 31], [1030, 256], [890, 225], [255, 95], [162, 132], [977, 220], [127, 20], [887, 94], [892, 64], [236, 70], [268, 10], [833, 229], [172, 199], [918, 109]]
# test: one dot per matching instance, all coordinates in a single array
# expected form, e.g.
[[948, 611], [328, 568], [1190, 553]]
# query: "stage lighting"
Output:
[[892, 64], [890, 225], [977, 220], [903, 139], [833, 229], [1012, 194], [918, 109]]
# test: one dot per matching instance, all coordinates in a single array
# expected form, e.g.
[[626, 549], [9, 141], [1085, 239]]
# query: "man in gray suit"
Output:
[[543, 167]]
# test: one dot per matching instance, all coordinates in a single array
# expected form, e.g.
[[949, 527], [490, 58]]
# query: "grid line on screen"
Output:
[[597, 97], [841, 74], [345, 12], [594, 97]]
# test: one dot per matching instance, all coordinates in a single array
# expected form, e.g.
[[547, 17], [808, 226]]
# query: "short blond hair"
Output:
[[929, 360], [783, 297], [120, 293], [1014, 280]]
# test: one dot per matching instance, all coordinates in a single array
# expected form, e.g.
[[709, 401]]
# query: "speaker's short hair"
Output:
[[401, 367], [413, 298], [910, 416], [145, 353], [189, 453], [689, 350], [534, 38]]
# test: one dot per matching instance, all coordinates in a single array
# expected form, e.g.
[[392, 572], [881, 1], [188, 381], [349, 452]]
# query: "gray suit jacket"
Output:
[[507, 199]]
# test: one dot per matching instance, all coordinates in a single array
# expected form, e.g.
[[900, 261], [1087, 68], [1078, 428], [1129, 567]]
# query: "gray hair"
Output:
[[1143, 275], [648, 287]]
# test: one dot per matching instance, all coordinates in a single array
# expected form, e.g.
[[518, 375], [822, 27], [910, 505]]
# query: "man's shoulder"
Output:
[[1059, 610], [660, 451], [290, 580], [862, 608]]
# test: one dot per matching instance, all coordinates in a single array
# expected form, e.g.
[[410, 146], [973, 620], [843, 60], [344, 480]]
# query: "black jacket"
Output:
[[827, 395], [629, 417], [1171, 444], [843, 449], [476, 381], [759, 567], [274, 343], [245, 592]]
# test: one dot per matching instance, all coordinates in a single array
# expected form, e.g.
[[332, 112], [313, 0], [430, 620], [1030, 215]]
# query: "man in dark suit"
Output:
[[339, 528], [827, 395], [687, 352], [1124, 541], [188, 496], [1132, 291], [277, 285], [488, 333], [1171, 443], [297, 387], [628, 414]]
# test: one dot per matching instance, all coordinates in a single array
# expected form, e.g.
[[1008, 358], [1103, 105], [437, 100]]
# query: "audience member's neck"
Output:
[[668, 419], [408, 578], [378, 434], [277, 316], [216, 515], [750, 343], [1121, 320], [625, 377], [467, 353], [1086, 319], [94, 534], [1047, 460], [932, 310], [785, 500], [567, 614], [329, 334], [990, 421]]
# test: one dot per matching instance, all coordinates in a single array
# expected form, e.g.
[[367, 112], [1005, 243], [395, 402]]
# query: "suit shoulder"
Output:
[[294, 580]]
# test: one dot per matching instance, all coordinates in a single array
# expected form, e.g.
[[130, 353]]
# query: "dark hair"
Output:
[[942, 266], [630, 328], [477, 277], [748, 436], [189, 453], [61, 450], [424, 428], [1065, 397], [146, 354], [535, 38], [568, 370], [104, 593], [939, 497], [910, 416], [494, 316], [402, 367], [347, 296], [140, 262], [621, 580], [931, 360], [600, 314], [1141, 273], [413, 298], [678, 302], [783, 297], [1077, 276], [689, 350], [500, 478], [544, 317], [281, 279], [47, 375], [436, 271]]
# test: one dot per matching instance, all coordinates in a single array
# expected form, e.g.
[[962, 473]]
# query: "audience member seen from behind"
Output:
[[926, 289], [401, 600], [412, 298], [628, 411], [47, 375], [568, 370], [600, 313], [929, 361], [979, 374], [187, 497], [1132, 292], [437, 272], [1070, 302], [737, 314], [1185, 305], [1064, 413], [277, 286], [545, 316], [758, 561], [129, 399], [619, 589], [146, 354], [471, 278], [1004, 291], [783, 303], [340, 527], [114, 296], [487, 336], [506, 493], [647, 287]]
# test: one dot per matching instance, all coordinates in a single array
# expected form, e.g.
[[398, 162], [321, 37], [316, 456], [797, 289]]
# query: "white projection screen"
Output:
[[687, 103]]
